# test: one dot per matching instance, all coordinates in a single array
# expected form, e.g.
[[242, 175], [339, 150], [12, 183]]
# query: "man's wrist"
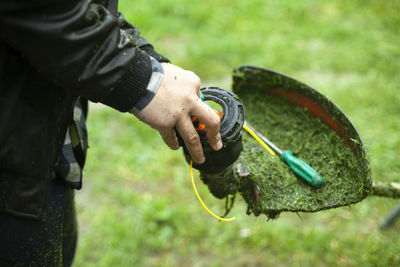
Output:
[[132, 85], [152, 87]]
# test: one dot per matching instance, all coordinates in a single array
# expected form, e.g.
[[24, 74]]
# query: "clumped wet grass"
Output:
[[292, 128]]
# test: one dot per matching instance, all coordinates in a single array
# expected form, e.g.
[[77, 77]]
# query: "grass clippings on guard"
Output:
[[272, 187]]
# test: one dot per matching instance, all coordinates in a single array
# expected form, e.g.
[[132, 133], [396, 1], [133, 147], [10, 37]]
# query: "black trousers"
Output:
[[51, 242]]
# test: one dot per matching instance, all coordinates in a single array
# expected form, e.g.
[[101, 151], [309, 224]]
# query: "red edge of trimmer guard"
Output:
[[315, 110]]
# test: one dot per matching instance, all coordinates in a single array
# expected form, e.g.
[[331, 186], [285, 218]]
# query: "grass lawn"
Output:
[[137, 207]]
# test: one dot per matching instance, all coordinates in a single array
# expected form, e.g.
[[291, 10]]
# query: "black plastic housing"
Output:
[[217, 171]]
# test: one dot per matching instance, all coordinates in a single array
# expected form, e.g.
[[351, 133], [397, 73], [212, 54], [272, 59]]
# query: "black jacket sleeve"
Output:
[[80, 46], [140, 41]]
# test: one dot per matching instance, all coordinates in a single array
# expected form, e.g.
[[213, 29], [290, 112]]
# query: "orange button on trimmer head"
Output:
[[199, 126]]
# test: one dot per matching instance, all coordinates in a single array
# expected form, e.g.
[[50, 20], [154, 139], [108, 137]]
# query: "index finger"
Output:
[[191, 138], [211, 120]]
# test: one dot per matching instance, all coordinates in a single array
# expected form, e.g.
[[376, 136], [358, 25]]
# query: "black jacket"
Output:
[[51, 53]]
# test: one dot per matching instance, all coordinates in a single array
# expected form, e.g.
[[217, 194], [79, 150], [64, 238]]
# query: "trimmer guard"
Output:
[[274, 195]]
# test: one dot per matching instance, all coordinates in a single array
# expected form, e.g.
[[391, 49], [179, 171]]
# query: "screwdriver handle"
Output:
[[302, 169]]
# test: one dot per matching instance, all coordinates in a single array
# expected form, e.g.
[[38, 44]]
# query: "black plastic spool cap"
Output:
[[230, 130]]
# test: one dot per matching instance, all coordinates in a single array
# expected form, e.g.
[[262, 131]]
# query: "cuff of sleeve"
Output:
[[148, 48], [152, 87], [133, 84]]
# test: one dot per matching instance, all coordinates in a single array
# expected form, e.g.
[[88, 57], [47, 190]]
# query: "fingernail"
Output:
[[202, 159], [219, 145]]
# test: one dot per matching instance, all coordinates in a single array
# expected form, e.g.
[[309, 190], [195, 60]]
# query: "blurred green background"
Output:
[[137, 207]]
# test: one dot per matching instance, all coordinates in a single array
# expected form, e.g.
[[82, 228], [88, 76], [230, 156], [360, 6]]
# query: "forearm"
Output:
[[79, 46], [140, 41]]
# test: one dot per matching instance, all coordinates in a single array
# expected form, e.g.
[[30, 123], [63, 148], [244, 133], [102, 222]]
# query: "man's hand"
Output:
[[177, 99]]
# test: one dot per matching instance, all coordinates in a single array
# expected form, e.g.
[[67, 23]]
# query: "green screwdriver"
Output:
[[298, 166]]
